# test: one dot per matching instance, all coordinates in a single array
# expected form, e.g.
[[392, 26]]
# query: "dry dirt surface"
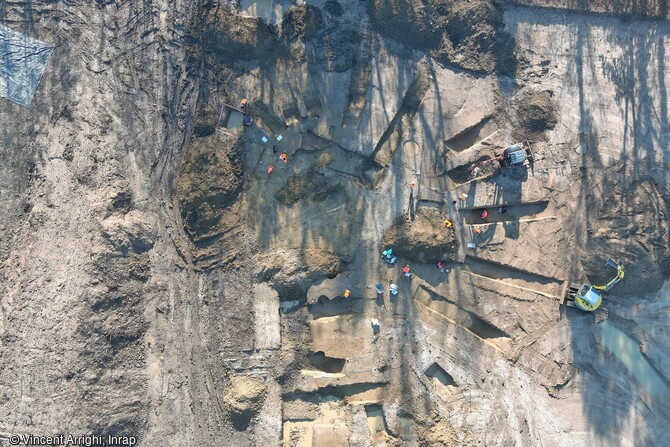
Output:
[[634, 8], [166, 276]]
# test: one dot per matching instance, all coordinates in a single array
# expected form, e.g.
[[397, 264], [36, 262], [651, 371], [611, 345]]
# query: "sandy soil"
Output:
[[165, 275]]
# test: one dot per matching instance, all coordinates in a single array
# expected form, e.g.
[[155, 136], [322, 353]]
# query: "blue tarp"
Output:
[[22, 62]]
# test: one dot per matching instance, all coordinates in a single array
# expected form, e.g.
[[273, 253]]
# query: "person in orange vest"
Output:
[[283, 157], [477, 229], [406, 270], [243, 104], [270, 169]]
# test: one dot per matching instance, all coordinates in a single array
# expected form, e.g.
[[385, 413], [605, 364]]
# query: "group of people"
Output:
[[390, 258]]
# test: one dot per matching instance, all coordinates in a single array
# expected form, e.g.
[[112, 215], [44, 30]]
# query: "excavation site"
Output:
[[333, 223]]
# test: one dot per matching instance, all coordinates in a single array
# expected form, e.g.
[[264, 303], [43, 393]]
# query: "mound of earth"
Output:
[[291, 272], [467, 34], [228, 38], [535, 112], [129, 233], [207, 113], [209, 181], [440, 434], [243, 398], [472, 37], [335, 49], [307, 187], [422, 240], [302, 22], [334, 8], [332, 45], [634, 229]]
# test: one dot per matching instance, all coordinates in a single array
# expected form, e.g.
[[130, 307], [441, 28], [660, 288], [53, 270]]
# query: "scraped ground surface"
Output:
[[158, 280]]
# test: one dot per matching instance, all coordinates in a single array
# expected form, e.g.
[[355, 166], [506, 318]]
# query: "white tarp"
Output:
[[22, 61]]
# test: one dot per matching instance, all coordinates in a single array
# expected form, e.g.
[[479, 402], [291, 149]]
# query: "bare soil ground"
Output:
[[635, 8], [165, 275]]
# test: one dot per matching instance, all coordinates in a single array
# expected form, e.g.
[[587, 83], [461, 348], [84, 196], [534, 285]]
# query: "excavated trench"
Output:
[[322, 362], [513, 212], [435, 371], [514, 276]]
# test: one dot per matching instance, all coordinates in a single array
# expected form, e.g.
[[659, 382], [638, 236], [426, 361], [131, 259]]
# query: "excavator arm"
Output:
[[614, 281]]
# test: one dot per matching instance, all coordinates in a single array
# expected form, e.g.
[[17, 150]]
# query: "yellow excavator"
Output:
[[587, 297]]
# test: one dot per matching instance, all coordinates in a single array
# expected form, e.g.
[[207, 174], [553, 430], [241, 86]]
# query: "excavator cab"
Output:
[[588, 297], [514, 155]]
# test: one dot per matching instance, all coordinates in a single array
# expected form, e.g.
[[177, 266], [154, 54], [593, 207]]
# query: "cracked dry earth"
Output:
[[157, 282]]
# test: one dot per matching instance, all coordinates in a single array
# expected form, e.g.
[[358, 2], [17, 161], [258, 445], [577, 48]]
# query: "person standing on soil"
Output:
[[406, 270]]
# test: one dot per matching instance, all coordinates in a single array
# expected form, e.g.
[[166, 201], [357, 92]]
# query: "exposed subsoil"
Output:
[[160, 281], [633, 227], [466, 34], [535, 114], [635, 8]]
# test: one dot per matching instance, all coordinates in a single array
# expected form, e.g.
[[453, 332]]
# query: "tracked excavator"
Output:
[[588, 297], [515, 155]]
